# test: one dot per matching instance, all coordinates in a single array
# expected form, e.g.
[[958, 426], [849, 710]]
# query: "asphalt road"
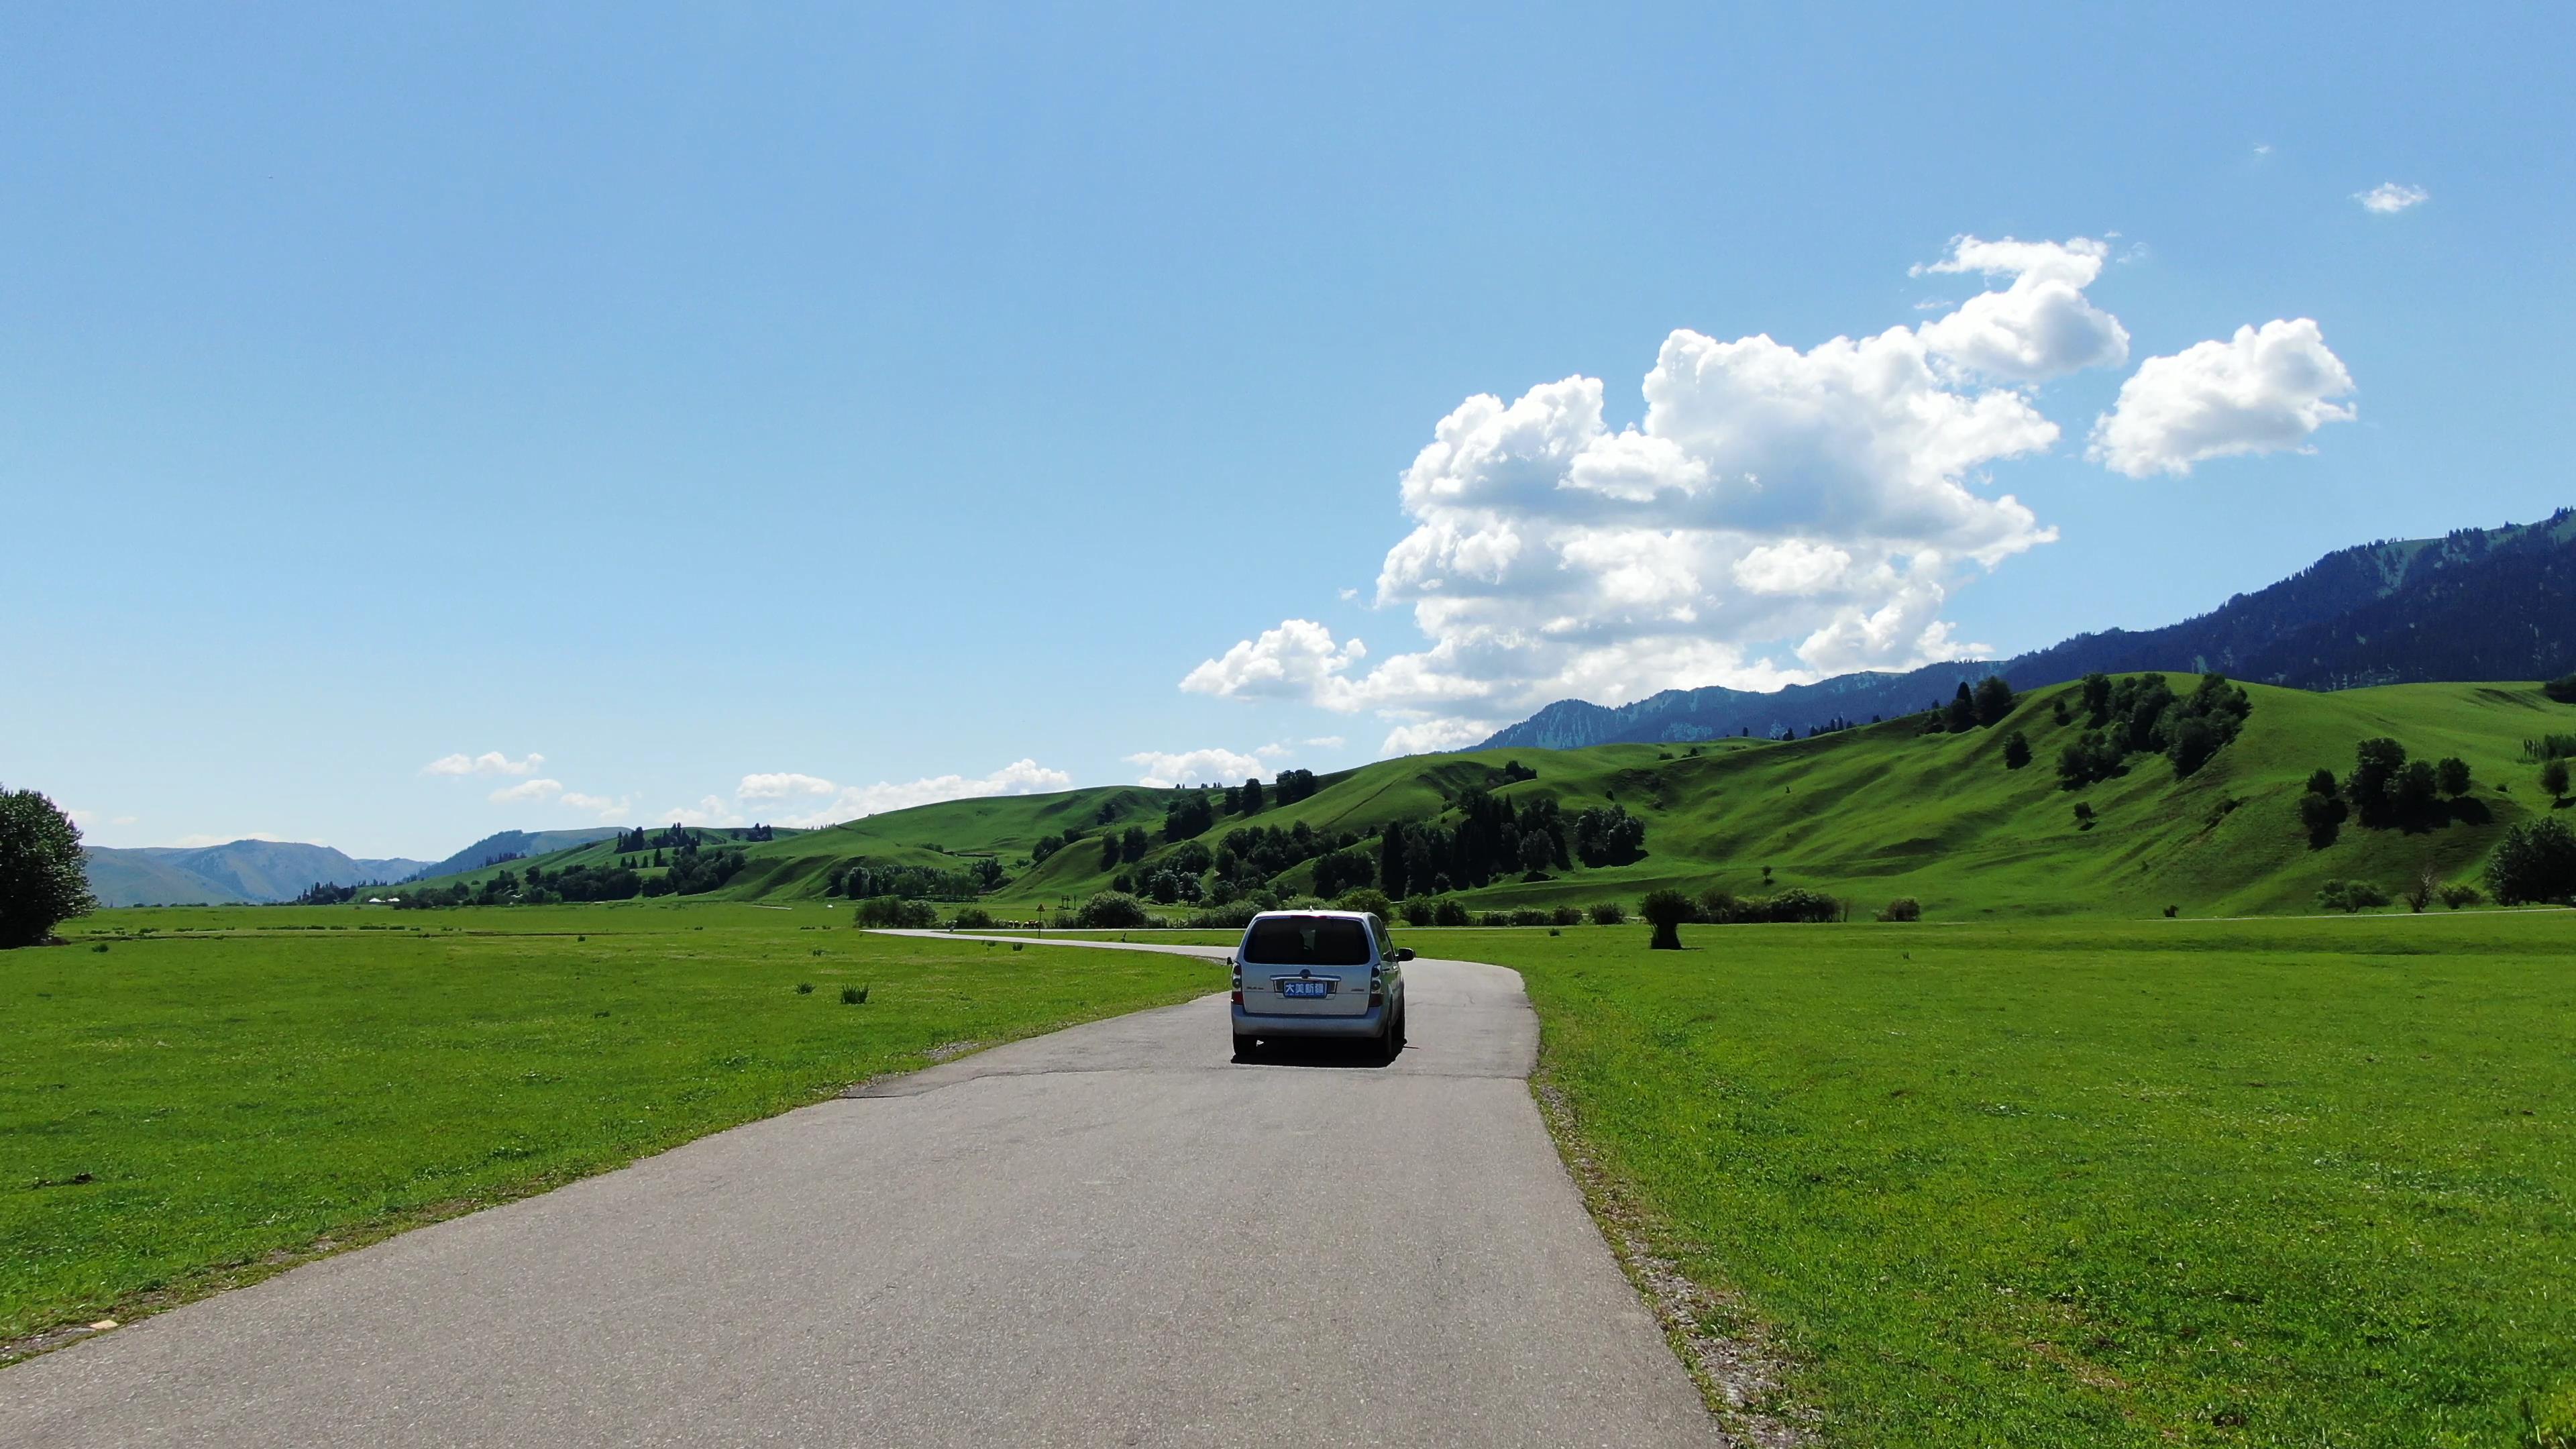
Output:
[[1111, 1235]]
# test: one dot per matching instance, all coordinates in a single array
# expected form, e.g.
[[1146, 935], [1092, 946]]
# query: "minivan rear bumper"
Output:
[[1368, 1023]]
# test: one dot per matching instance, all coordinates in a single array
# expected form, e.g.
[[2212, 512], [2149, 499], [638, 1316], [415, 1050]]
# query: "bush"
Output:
[[1372, 901], [1531, 916], [804, 988], [2456, 896], [896, 913], [2016, 750], [1111, 911], [43, 879], [1449, 913], [1609, 913], [2561, 689], [1799, 904], [1232, 916], [2349, 895], [974, 918], [1903, 908], [1418, 911], [1666, 910], [1496, 919], [2453, 775], [2553, 778], [1565, 916], [1719, 906], [2536, 861], [854, 996]]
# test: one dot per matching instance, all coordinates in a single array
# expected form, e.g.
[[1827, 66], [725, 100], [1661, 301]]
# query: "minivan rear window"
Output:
[[1308, 941]]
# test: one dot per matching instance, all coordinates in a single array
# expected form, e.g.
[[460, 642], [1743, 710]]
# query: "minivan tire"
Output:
[[1244, 1046]]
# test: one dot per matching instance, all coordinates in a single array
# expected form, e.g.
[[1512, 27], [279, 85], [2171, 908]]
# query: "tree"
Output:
[[1252, 796], [1961, 716], [43, 879], [1111, 911], [1665, 910], [2322, 782], [2553, 778], [1133, 843], [2016, 750], [2083, 816], [2321, 816], [2453, 776], [1536, 853], [2536, 861], [1994, 699], [2194, 741], [2371, 785]]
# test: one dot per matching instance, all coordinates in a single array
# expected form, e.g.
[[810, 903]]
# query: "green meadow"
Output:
[[223, 1092], [2298, 1182]]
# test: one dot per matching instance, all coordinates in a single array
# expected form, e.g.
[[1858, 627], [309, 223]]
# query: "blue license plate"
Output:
[[1305, 988]]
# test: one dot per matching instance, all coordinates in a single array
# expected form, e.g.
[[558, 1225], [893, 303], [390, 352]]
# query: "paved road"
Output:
[[1111, 1235]]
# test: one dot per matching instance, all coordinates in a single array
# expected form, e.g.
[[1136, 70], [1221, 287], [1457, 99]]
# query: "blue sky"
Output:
[[745, 409]]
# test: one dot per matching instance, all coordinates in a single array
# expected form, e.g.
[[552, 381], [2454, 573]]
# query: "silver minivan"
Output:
[[1318, 974]]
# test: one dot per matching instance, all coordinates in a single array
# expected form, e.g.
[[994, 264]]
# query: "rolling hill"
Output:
[[2476, 604], [506, 844], [1869, 813]]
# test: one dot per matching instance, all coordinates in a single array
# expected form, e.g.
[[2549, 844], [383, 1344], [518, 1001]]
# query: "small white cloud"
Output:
[[1326, 742], [782, 787], [2267, 389], [1431, 737], [526, 790], [2390, 197], [1020, 777], [599, 805], [2262, 148], [1163, 770], [491, 762], [1350, 593], [712, 810]]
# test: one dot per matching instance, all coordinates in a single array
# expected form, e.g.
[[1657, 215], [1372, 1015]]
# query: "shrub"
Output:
[[2553, 778], [2453, 776], [1418, 911], [1719, 906], [854, 996], [1609, 913], [1566, 916], [897, 913], [2016, 750], [1666, 910], [804, 988], [43, 879], [974, 918], [1495, 918], [1372, 901], [1903, 908], [2561, 689], [2349, 895], [1800, 904], [1109, 911], [2319, 815], [1448, 913], [2536, 861], [2456, 896], [1532, 916], [1232, 916], [2083, 816]]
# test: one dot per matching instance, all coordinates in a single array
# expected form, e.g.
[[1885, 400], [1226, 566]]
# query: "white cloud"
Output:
[[2390, 197], [2039, 327], [782, 787], [2262, 148], [2267, 389], [491, 762], [1433, 736], [1777, 514], [1296, 660], [712, 810], [599, 805], [526, 790], [1326, 742], [1196, 767], [1020, 777]]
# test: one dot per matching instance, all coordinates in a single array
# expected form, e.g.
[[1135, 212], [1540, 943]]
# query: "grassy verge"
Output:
[[2275, 1183], [245, 1087]]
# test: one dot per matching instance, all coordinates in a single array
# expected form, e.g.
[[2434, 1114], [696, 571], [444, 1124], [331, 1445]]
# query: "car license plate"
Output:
[[1305, 988]]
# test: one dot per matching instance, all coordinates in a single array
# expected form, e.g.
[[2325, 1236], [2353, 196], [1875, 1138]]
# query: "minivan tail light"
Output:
[[1377, 989], [1238, 988]]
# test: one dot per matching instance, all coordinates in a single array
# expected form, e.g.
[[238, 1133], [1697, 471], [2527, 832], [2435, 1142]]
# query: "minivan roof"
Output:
[[1346, 915]]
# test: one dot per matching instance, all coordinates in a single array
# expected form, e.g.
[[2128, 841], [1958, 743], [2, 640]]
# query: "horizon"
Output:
[[533, 423]]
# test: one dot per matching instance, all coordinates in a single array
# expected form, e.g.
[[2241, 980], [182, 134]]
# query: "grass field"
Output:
[[2301, 1182], [243, 1086]]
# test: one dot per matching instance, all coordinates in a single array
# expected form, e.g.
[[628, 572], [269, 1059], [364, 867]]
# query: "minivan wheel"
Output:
[[1244, 1047]]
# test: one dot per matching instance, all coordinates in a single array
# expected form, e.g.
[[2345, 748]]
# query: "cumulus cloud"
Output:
[[1777, 514], [2266, 389], [1020, 777], [491, 762], [1163, 771], [1433, 736], [2040, 326], [782, 787], [2390, 197], [1326, 742], [526, 790]]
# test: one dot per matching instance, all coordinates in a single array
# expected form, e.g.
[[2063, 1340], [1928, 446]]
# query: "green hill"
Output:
[[1869, 813]]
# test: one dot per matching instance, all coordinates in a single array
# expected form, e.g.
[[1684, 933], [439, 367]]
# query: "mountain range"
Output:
[[260, 872], [2475, 604]]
